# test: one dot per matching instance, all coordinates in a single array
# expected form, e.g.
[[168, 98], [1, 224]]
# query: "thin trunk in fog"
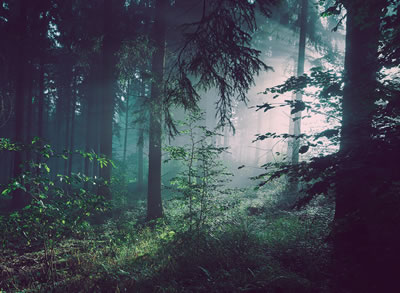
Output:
[[295, 119], [140, 160], [226, 141], [128, 93], [89, 131], [67, 127], [107, 96], [258, 145], [18, 195], [140, 145], [29, 108], [154, 201], [87, 144], [71, 146], [96, 128], [41, 99]]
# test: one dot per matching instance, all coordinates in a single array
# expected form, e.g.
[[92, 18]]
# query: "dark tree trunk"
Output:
[[18, 196], [140, 145], [88, 132], [40, 100], [107, 95], [140, 161], [154, 201], [91, 118], [72, 146], [67, 124], [357, 255], [128, 93], [29, 107]]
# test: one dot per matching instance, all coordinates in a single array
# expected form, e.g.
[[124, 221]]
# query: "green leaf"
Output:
[[6, 191]]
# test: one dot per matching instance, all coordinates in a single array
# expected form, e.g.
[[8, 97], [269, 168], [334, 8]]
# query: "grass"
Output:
[[234, 251]]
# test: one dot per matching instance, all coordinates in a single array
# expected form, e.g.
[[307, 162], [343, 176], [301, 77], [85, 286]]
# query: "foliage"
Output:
[[56, 208], [244, 253], [203, 176], [217, 51], [319, 172]]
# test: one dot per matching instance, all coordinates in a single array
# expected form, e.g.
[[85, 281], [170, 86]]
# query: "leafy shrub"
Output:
[[56, 209]]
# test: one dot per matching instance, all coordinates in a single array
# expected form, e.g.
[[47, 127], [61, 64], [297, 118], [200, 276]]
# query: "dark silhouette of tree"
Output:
[[362, 253], [154, 202], [20, 24]]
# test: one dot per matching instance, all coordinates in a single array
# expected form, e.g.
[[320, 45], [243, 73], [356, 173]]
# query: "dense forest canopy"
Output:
[[199, 146]]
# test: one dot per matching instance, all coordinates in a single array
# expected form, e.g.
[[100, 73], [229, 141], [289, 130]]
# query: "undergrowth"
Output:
[[238, 252]]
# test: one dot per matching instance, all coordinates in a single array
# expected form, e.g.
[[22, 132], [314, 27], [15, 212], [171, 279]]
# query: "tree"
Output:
[[295, 119], [18, 200], [355, 232], [215, 51], [154, 202], [108, 92]]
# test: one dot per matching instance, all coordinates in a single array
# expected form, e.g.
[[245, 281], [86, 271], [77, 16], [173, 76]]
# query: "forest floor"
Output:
[[247, 251]]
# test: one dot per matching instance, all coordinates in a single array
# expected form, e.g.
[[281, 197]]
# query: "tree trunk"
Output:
[[29, 107], [154, 202], [41, 99], [107, 105], [18, 196], [140, 161], [73, 109], [128, 93], [356, 258], [295, 119], [90, 125], [67, 98]]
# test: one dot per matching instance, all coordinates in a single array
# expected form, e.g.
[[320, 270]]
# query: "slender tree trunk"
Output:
[[140, 145], [128, 93], [87, 140], [140, 160], [41, 99], [258, 144], [96, 137], [107, 105], [154, 201], [72, 146], [18, 196], [226, 142], [29, 108], [67, 127], [295, 119], [90, 126]]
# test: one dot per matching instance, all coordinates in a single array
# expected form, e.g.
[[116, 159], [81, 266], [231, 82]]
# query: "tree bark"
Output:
[[107, 105], [41, 99], [354, 235], [295, 119], [18, 196], [140, 160], [72, 142], [67, 99], [128, 93], [154, 201]]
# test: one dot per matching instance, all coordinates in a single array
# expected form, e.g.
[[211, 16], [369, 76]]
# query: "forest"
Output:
[[200, 146]]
